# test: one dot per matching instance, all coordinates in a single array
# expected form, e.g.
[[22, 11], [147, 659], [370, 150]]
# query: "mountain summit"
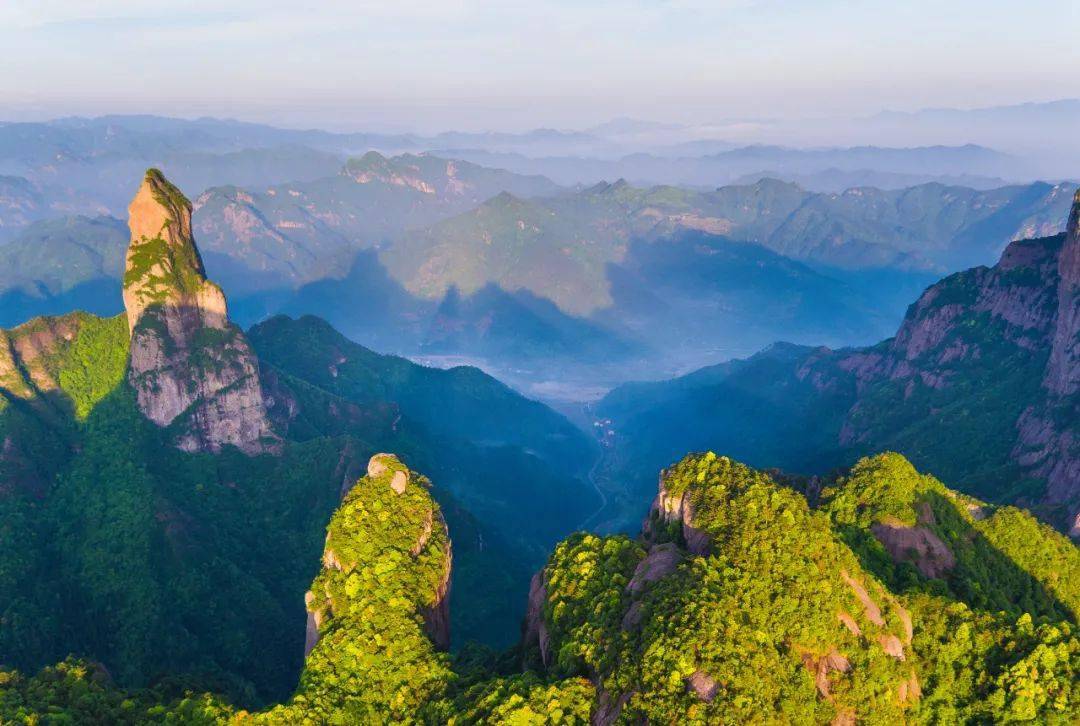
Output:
[[190, 367], [163, 265]]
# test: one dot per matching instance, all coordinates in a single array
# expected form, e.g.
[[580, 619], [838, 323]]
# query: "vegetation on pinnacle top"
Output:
[[167, 193], [163, 261], [386, 564]]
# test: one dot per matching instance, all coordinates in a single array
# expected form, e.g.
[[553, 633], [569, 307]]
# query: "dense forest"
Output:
[[890, 599]]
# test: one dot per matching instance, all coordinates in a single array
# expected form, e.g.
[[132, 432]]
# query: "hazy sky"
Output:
[[470, 64]]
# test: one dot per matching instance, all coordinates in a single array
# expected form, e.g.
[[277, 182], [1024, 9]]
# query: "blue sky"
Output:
[[471, 64]]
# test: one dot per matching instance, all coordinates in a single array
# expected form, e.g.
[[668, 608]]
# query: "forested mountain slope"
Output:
[[978, 386], [931, 226], [165, 490], [886, 598]]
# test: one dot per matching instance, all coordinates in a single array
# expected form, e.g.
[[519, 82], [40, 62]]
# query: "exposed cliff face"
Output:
[[26, 351], [189, 364], [1020, 317], [1048, 442], [534, 629], [674, 510], [1063, 371]]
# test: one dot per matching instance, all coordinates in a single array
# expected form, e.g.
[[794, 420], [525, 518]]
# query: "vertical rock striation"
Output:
[[190, 368], [1048, 441], [1063, 371]]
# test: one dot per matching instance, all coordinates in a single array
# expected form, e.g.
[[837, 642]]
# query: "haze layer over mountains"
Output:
[[628, 250]]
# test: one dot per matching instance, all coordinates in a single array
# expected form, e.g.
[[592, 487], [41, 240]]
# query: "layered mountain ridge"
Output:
[[424, 255]]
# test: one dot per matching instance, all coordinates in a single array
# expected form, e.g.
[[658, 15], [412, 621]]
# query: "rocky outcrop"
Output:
[[28, 354], [535, 629], [871, 610], [609, 709], [661, 561], [437, 615], [314, 622], [190, 367], [672, 509], [1063, 370], [1048, 441], [820, 668], [918, 545], [702, 685]]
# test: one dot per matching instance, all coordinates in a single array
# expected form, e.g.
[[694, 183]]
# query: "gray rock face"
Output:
[[661, 561], [189, 364], [314, 620], [535, 628], [918, 545], [437, 616], [702, 685], [1063, 370], [668, 509]]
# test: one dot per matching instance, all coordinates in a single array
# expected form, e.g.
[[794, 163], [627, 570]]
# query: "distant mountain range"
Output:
[[441, 257], [290, 234], [62, 264], [94, 157], [706, 166]]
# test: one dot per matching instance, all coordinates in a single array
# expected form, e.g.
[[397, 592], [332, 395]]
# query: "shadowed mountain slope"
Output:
[[978, 386]]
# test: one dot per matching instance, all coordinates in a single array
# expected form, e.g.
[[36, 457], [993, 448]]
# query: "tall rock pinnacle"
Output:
[[190, 367], [163, 264]]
